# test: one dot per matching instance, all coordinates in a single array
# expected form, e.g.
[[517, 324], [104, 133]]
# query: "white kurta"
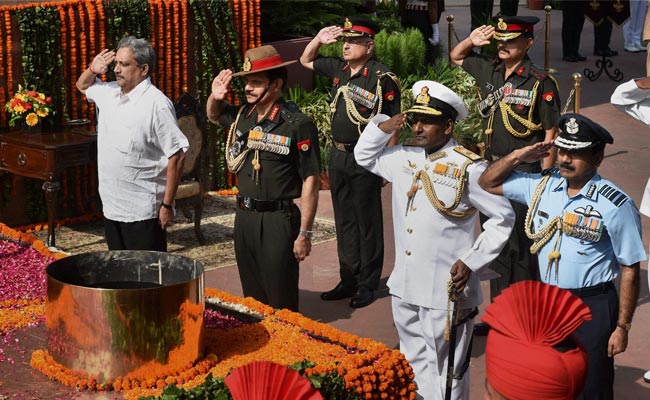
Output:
[[427, 243], [630, 98]]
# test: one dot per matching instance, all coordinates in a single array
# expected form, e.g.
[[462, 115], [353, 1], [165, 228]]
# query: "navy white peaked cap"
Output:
[[433, 98]]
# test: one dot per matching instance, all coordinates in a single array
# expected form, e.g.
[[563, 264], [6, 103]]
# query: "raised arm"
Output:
[[216, 102], [326, 35], [492, 179], [479, 37], [98, 66]]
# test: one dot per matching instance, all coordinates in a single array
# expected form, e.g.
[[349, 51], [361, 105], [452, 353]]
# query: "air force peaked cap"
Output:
[[579, 132]]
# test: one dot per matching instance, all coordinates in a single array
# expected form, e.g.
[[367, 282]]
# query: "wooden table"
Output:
[[44, 156]]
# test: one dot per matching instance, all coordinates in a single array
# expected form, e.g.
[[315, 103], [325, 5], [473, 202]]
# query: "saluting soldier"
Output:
[[361, 89], [586, 232], [435, 202], [273, 149], [520, 106]]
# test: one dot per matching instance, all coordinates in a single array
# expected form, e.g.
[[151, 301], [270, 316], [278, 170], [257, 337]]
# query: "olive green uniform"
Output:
[[356, 192], [531, 105], [267, 222]]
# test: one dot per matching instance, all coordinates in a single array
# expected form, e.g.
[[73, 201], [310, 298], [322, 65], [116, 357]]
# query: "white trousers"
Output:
[[633, 28], [421, 339]]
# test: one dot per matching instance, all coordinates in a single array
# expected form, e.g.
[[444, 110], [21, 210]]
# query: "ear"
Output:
[[145, 70], [449, 127], [529, 43], [371, 47]]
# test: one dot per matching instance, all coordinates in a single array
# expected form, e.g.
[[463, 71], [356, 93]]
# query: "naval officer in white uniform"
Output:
[[435, 199]]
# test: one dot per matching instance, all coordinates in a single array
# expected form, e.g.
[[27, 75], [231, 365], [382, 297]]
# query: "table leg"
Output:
[[51, 190]]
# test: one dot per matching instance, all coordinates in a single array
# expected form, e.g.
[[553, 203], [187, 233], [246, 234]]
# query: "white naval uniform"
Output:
[[633, 100], [427, 243]]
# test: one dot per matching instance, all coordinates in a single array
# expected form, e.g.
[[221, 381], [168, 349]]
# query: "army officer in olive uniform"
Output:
[[361, 89], [520, 106], [273, 149]]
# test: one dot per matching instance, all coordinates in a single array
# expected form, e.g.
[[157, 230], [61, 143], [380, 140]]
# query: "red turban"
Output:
[[526, 321]]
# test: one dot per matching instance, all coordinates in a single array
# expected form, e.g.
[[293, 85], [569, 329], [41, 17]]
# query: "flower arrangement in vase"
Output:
[[28, 107]]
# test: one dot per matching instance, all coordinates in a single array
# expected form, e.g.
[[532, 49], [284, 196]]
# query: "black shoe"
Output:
[[362, 297], [571, 59], [481, 329], [339, 292], [580, 57], [605, 53]]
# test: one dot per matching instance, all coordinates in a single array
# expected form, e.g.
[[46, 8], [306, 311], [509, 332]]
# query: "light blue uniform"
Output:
[[605, 223]]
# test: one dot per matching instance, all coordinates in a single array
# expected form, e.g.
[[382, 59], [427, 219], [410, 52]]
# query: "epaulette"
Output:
[[392, 76], [538, 73], [467, 153], [289, 108], [614, 195], [550, 171]]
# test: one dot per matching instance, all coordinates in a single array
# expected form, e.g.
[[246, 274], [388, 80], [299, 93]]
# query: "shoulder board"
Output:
[[289, 109], [538, 73], [551, 171], [614, 195], [467, 153]]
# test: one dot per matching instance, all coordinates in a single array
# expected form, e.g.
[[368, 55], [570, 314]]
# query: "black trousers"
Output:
[[268, 269], [515, 263], [356, 199], [420, 20], [481, 10], [140, 235], [594, 336], [573, 20]]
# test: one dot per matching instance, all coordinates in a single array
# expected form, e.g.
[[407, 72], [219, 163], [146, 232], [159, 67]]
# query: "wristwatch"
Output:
[[625, 327], [167, 206], [306, 234]]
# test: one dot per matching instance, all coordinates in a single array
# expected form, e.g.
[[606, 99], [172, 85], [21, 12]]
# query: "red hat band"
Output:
[[266, 62], [518, 27], [360, 28]]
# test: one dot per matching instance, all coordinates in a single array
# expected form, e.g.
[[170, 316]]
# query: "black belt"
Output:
[[250, 204], [601, 288], [344, 147]]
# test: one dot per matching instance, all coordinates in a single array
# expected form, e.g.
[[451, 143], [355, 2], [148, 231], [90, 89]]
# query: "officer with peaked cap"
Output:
[[586, 233], [530, 353], [520, 106], [435, 203], [273, 149], [361, 89]]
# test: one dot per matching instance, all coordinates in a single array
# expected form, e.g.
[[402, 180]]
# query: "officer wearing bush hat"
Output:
[[509, 28], [273, 149], [578, 132], [435, 195], [586, 234], [361, 88]]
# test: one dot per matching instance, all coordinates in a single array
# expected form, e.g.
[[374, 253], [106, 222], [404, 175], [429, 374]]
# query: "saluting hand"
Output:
[[534, 152], [328, 35], [395, 123], [221, 84], [481, 36], [100, 63]]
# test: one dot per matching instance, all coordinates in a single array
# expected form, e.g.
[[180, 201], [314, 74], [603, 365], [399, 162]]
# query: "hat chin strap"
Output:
[[262, 95]]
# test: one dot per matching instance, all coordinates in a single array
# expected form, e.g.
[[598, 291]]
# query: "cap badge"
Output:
[[572, 126], [347, 25], [501, 25], [247, 64], [423, 97]]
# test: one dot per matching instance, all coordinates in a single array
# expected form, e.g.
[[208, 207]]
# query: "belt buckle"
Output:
[[248, 203]]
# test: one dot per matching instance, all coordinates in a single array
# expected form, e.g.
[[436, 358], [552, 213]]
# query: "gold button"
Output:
[[409, 230], [408, 252]]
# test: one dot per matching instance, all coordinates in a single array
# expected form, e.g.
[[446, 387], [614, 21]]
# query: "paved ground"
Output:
[[627, 164]]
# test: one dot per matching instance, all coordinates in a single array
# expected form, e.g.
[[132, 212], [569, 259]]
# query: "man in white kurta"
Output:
[[633, 97], [435, 199]]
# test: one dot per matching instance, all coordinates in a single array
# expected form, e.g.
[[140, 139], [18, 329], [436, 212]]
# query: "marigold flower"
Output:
[[31, 119]]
